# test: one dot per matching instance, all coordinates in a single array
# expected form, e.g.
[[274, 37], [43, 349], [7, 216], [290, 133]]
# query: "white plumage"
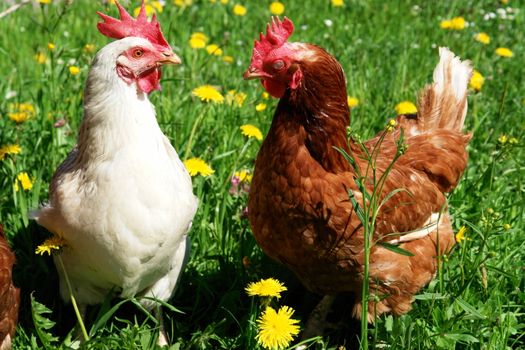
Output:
[[122, 199]]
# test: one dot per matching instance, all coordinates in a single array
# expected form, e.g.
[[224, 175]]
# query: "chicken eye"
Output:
[[278, 65], [138, 53]]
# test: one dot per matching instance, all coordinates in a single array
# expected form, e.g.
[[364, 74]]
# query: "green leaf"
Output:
[[357, 208], [43, 324], [431, 296], [392, 193], [389, 323], [469, 309], [395, 248], [165, 304], [348, 157], [101, 321], [467, 338]]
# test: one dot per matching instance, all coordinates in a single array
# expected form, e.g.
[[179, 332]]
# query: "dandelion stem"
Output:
[[73, 300], [237, 160], [192, 134]]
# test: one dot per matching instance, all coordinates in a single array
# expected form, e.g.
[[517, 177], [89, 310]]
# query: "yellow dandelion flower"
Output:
[[269, 287], [277, 8], [445, 24], [213, 49], [276, 329], [476, 81], [236, 98], [239, 10], [23, 107], [224, 2], [40, 58], [513, 141], [150, 10], [338, 3], [25, 181], [182, 3], [240, 97], [9, 149], [352, 101], [406, 107], [504, 52], [208, 93], [260, 107], [482, 37], [265, 95], [74, 70], [45, 2], [197, 43], [502, 139], [21, 112], [18, 117], [200, 35], [51, 46], [504, 2], [506, 227], [197, 166], [243, 175], [50, 245], [456, 23], [89, 48], [227, 59], [460, 235], [251, 131], [198, 40], [159, 7]]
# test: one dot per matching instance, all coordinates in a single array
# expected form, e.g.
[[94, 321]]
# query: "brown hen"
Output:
[[9, 295], [299, 207]]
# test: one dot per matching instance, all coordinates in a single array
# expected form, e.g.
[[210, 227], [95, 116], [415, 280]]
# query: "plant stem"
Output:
[[192, 134], [365, 288], [73, 300]]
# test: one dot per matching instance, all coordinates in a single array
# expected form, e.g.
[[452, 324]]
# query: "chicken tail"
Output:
[[443, 104]]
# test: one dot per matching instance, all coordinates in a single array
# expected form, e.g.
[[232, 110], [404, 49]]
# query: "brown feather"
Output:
[[9, 295], [299, 208]]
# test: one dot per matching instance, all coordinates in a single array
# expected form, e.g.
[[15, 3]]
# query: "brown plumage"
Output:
[[299, 208], [9, 295]]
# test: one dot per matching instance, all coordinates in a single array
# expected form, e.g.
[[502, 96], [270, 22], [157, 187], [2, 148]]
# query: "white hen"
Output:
[[122, 200]]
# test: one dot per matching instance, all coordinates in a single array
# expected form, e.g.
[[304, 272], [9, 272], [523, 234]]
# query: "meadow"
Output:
[[388, 50]]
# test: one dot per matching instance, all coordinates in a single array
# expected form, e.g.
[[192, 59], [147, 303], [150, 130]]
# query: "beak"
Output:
[[253, 73], [169, 58]]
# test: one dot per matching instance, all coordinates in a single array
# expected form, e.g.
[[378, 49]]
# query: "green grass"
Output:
[[388, 50]]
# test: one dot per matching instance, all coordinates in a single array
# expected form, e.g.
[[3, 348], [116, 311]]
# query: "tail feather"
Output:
[[443, 104]]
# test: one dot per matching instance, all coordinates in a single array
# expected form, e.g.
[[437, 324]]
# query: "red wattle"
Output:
[[150, 81], [274, 88]]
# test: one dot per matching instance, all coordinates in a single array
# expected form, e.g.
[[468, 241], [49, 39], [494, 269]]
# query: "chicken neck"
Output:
[[116, 116], [319, 105]]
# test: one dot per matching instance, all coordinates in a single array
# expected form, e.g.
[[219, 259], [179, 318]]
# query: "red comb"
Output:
[[276, 35], [127, 26]]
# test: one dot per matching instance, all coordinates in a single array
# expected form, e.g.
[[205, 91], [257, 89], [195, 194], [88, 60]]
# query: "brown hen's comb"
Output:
[[128, 26], [276, 35]]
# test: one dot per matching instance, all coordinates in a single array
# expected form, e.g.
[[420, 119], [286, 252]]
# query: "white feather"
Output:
[[122, 200], [451, 70]]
